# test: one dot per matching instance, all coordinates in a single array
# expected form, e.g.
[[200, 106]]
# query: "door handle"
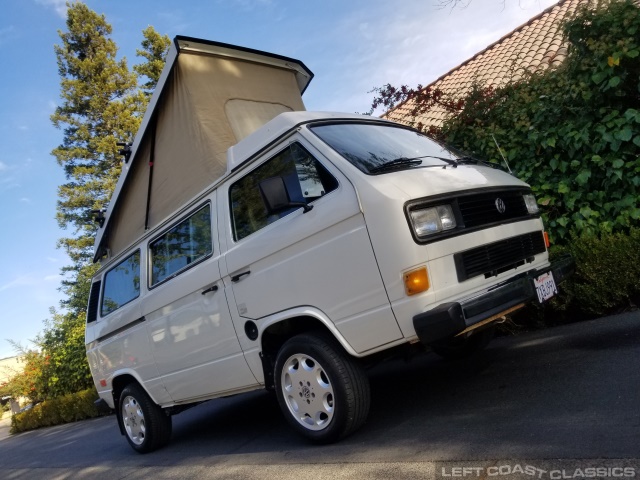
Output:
[[237, 277], [210, 289]]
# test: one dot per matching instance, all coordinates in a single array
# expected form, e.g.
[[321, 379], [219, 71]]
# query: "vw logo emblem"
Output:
[[500, 206]]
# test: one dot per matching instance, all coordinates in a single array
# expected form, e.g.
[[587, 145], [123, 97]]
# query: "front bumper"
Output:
[[449, 319]]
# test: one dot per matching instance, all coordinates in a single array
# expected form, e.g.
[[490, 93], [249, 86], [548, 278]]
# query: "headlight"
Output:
[[530, 202], [432, 220]]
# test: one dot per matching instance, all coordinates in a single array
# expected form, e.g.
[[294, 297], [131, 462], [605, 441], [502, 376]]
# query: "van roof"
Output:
[[270, 132], [225, 54], [249, 148]]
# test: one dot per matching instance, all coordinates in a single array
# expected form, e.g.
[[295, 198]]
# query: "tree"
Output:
[[154, 51], [64, 368], [101, 106], [25, 380]]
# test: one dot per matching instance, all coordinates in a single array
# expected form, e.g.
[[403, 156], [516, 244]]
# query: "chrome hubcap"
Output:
[[307, 391], [133, 420]]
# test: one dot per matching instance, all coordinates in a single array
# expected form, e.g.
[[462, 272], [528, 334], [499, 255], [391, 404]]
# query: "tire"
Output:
[[322, 391], [456, 348], [146, 426]]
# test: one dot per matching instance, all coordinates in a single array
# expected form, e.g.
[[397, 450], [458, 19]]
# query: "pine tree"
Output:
[[154, 51], [101, 106]]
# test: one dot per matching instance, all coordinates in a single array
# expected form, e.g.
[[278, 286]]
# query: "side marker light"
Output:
[[416, 281]]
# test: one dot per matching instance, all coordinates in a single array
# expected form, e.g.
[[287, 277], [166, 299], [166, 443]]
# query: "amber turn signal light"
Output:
[[416, 281], [547, 243]]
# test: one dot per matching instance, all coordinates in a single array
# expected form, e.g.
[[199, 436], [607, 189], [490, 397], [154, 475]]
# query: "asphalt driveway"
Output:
[[561, 400]]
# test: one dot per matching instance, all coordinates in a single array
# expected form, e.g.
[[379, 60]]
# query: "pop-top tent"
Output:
[[209, 97]]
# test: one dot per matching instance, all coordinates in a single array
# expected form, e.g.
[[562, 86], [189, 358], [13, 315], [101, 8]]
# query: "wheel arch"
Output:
[[276, 330], [119, 381]]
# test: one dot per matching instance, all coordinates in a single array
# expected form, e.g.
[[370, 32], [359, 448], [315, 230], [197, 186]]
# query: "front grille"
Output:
[[480, 209], [497, 257], [475, 210]]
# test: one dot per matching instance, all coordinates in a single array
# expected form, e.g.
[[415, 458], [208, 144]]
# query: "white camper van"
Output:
[[251, 244]]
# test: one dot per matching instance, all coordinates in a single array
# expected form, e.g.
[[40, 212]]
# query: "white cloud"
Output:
[[248, 5], [9, 175], [60, 6], [25, 200], [175, 21], [7, 183], [29, 280], [52, 259], [412, 45], [21, 281]]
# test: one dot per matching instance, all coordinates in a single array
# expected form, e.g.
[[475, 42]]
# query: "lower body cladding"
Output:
[[450, 319]]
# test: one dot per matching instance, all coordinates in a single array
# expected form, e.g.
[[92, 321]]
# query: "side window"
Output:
[[306, 180], [185, 244], [94, 296], [121, 284]]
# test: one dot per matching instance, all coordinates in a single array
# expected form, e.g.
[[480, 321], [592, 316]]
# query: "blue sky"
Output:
[[350, 45]]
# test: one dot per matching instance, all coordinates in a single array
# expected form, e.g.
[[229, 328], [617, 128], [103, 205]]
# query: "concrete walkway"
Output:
[[5, 425]]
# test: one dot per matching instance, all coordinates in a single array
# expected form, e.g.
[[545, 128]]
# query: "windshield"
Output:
[[372, 147]]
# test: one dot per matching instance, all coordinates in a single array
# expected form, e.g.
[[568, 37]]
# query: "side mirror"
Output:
[[276, 197]]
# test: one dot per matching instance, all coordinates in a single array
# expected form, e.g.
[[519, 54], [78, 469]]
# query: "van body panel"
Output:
[[192, 338], [127, 351], [445, 286], [117, 321], [291, 259], [422, 182], [383, 200]]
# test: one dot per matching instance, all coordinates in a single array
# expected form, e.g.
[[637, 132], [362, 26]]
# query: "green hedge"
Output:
[[607, 277], [63, 409], [606, 281], [573, 132]]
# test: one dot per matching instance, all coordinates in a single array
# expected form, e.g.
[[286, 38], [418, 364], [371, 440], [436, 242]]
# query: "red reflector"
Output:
[[547, 243], [103, 383]]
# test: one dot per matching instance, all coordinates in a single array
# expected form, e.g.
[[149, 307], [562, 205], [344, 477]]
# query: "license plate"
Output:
[[545, 286]]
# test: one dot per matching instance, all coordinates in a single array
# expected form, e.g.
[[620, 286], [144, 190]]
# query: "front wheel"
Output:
[[146, 426], [322, 391]]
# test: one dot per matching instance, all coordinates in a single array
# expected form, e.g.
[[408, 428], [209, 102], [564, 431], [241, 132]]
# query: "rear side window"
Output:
[[306, 180], [94, 296], [121, 284], [182, 246]]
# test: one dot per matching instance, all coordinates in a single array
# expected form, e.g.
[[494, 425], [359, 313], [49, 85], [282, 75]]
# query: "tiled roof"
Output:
[[534, 46]]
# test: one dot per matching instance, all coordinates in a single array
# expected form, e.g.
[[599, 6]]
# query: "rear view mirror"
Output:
[[276, 197]]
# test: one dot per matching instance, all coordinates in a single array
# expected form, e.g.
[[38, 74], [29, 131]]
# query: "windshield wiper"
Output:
[[411, 162], [398, 162]]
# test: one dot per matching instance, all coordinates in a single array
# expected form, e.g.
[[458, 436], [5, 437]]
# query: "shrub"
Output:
[[607, 277], [606, 281], [64, 409]]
